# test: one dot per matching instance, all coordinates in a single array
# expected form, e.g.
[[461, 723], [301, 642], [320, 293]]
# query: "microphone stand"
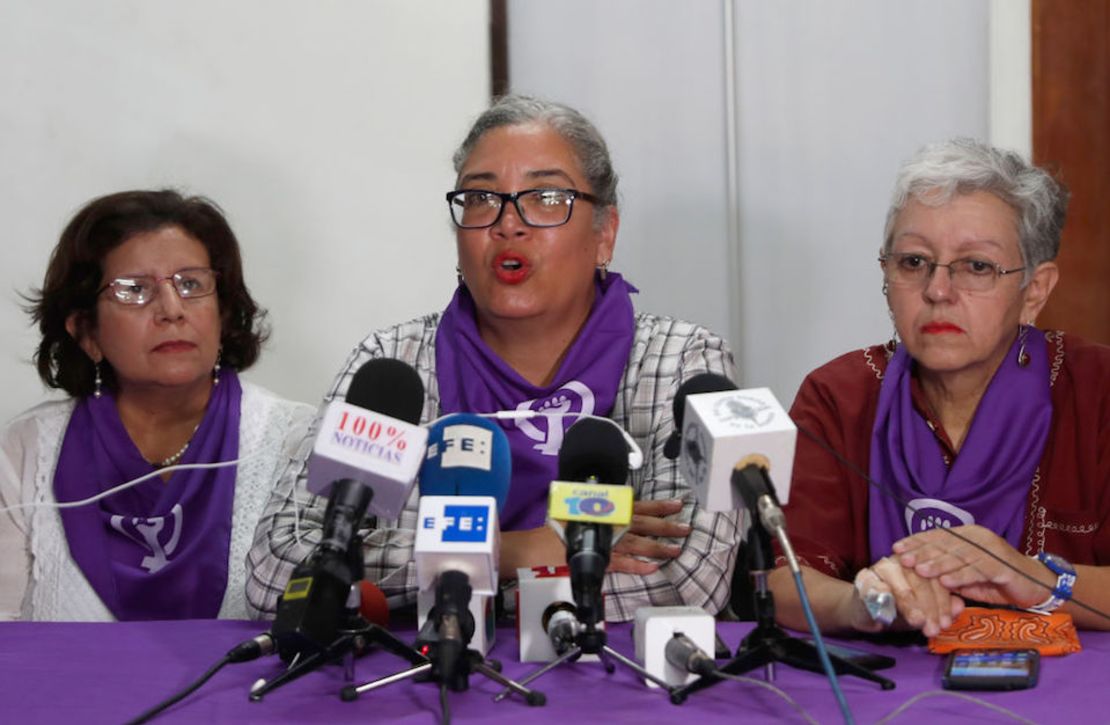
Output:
[[356, 638], [443, 648], [572, 639], [576, 633], [768, 643]]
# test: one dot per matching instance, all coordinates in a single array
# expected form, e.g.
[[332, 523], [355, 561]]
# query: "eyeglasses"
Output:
[[139, 290], [478, 209], [970, 275]]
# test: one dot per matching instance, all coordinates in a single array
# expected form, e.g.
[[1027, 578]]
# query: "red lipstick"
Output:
[[937, 328], [175, 346], [510, 268]]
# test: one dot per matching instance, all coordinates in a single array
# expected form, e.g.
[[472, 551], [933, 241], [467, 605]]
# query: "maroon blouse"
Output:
[[1068, 505]]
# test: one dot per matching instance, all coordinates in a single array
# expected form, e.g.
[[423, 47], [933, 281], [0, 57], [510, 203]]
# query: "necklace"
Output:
[[175, 457], [171, 460]]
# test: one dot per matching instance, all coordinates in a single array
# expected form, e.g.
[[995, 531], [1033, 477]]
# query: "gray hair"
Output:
[[938, 172], [576, 129]]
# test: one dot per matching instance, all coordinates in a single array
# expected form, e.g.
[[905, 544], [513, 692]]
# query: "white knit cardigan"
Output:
[[39, 580]]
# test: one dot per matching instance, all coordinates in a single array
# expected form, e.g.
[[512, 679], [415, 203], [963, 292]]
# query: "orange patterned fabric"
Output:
[[983, 628]]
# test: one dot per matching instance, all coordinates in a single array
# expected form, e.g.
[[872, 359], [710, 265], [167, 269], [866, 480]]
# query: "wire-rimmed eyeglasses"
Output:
[[969, 274], [140, 289]]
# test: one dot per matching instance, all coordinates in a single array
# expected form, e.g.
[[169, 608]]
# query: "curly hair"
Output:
[[74, 275]]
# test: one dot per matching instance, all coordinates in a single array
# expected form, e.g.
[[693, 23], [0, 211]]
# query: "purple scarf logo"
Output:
[[147, 532], [923, 514], [572, 400]]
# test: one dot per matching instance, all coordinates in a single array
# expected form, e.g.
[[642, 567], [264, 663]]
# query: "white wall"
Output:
[[833, 97], [323, 129], [830, 98], [649, 74]]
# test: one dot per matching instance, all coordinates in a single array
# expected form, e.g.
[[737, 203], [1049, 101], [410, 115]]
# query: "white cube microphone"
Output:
[[723, 429], [656, 626], [459, 533]]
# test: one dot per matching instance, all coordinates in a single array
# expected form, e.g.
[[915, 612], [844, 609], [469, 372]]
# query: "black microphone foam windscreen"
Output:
[[390, 387], [593, 448], [702, 383]]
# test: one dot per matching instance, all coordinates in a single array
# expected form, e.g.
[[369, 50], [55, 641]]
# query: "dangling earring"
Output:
[[97, 382], [886, 288], [603, 269], [458, 274], [1022, 355], [216, 369], [892, 343]]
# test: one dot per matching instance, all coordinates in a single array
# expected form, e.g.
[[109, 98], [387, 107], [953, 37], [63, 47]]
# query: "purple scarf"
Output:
[[158, 550], [473, 379], [989, 480]]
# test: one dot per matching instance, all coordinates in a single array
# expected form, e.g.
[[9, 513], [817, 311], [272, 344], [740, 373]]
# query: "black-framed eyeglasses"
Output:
[[481, 208], [138, 290], [969, 274]]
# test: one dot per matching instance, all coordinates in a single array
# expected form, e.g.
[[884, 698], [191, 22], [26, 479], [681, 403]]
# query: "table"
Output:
[[110, 672]]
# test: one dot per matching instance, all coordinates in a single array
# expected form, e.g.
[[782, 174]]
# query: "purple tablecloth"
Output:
[[108, 673]]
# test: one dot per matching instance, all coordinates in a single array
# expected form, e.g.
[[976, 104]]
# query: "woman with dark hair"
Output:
[[538, 322], [145, 319]]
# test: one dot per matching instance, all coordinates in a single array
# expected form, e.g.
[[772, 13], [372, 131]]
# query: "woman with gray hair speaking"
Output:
[[972, 417], [538, 322]]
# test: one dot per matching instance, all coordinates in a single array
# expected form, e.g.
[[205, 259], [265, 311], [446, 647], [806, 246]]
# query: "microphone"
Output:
[[372, 437], [372, 604], [682, 654], [313, 607], [593, 452], [701, 383], [722, 429], [373, 607], [547, 620], [467, 455], [464, 482], [671, 642], [449, 629]]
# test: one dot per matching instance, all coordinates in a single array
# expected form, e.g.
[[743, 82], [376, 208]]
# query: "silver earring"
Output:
[[886, 287], [216, 369], [603, 269], [1022, 355], [892, 343], [458, 274], [97, 382]]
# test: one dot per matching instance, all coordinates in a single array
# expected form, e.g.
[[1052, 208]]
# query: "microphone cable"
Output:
[[127, 484], [682, 653], [907, 504], [956, 695], [770, 516], [635, 453], [245, 651]]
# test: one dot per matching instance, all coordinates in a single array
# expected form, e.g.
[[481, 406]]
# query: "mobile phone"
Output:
[[863, 658], [992, 669]]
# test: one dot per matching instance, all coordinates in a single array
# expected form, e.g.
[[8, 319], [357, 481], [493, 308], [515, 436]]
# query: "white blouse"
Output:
[[39, 580]]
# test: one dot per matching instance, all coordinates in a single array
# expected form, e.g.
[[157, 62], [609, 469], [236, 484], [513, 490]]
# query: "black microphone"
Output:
[[682, 653], [560, 621], [593, 451], [313, 607], [448, 630]]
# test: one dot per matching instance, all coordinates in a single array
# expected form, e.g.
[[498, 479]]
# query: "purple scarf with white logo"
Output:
[[473, 379], [989, 480], [158, 550]]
